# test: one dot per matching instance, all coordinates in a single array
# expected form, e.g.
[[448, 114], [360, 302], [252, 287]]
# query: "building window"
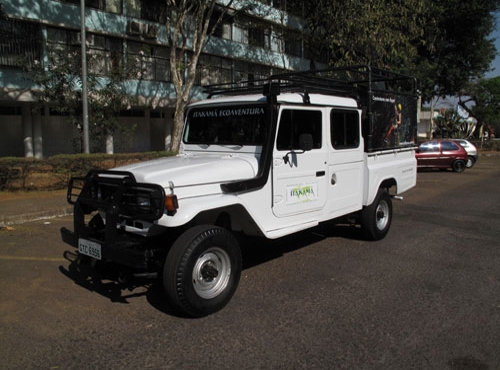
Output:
[[252, 33], [213, 70], [150, 10], [112, 6], [258, 36], [104, 53], [224, 28], [20, 42], [152, 62]]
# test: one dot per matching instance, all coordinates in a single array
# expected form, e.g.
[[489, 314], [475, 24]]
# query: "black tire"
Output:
[[377, 217], [470, 162], [202, 270], [458, 166]]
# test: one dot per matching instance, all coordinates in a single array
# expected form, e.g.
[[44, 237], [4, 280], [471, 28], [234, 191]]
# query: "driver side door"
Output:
[[299, 177]]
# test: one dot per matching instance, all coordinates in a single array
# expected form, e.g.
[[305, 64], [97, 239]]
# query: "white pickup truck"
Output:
[[269, 159]]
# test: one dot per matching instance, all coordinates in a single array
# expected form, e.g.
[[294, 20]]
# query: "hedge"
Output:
[[54, 172]]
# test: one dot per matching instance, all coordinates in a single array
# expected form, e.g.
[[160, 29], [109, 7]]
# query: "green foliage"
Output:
[[376, 32], [449, 124], [54, 172], [58, 82], [486, 96], [444, 43], [457, 45]]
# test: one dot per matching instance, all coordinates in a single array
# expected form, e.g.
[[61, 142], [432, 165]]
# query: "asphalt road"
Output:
[[425, 297]]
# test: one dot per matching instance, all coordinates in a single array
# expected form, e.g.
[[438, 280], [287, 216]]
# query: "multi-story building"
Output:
[[251, 45]]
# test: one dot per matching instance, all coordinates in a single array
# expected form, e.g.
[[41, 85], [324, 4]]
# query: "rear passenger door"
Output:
[[299, 178], [345, 162], [448, 152]]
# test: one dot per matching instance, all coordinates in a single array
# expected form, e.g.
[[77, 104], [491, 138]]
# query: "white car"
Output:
[[471, 152], [265, 161]]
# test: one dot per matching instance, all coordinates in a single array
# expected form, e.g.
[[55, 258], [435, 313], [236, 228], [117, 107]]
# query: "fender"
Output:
[[189, 208]]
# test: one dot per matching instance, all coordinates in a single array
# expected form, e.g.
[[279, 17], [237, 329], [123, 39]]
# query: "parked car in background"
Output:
[[471, 152], [442, 154]]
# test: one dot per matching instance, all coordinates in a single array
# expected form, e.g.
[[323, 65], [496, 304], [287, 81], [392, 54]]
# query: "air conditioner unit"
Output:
[[134, 28]]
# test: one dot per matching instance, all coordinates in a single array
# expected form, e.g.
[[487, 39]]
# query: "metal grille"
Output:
[[20, 42]]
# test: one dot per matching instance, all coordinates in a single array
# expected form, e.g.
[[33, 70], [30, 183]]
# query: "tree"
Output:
[[317, 25], [482, 101], [189, 23], [377, 32], [456, 47], [450, 124], [444, 43], [58, 83]]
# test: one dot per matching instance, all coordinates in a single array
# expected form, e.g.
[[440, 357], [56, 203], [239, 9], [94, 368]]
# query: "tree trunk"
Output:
[[180, 106], [109, 144]]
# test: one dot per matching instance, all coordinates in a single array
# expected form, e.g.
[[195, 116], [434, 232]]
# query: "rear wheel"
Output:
[[458, 166], [376, 218], [202, 270]]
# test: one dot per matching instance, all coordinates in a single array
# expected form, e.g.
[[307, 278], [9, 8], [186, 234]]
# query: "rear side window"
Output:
[[344, 129], [295, 122], [448, 145]]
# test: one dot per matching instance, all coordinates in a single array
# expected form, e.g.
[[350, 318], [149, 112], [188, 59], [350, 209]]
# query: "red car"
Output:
[[443, 154]]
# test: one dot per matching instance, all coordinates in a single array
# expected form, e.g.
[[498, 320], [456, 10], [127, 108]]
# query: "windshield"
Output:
[[228, 125]]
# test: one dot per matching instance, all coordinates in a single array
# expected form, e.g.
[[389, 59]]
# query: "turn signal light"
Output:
[[171, 203]]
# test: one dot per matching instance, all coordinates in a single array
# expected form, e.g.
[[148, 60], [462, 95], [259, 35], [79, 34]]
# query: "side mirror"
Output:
[[305, 142], [305, 145]]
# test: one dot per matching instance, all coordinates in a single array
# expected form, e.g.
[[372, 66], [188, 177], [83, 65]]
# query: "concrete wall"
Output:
[[35, 135], [59, 136]]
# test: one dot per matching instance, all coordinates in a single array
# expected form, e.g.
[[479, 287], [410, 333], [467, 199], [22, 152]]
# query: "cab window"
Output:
[[295, 122]]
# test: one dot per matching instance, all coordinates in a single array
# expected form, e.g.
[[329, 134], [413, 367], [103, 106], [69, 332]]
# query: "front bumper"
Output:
[[122, 201]]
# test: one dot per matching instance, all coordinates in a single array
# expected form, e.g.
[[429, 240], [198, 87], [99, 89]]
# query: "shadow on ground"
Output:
[[119, 286]]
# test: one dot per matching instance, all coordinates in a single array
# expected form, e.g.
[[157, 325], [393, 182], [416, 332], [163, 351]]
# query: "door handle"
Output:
[[320, 173]]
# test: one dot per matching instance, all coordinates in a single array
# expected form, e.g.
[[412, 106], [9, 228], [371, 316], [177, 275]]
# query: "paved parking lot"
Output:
[[426, 297]]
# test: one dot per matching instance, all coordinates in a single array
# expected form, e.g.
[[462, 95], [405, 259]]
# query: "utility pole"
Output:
[[85, 108]]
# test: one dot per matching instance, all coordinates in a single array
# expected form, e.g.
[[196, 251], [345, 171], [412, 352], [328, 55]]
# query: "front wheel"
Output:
[[376, 218], [202, 270]]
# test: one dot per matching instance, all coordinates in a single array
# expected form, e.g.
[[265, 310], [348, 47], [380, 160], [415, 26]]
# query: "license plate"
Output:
[[88, 248]]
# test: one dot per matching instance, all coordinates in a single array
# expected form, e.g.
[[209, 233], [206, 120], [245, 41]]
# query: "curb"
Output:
[[35, 216]]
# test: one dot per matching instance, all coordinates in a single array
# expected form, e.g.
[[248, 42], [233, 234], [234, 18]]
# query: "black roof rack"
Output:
[[342, 81]]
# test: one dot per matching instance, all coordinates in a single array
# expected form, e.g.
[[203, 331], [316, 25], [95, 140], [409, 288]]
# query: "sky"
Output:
[[496, 63]]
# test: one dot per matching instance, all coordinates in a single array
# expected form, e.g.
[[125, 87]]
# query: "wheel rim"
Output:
[[469, 163], [382, 215], [211, 273]]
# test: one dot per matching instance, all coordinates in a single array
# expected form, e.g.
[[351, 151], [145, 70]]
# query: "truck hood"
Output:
[[191, 170]]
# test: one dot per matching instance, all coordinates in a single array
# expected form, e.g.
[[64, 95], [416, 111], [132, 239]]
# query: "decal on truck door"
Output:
[[302, 193]]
